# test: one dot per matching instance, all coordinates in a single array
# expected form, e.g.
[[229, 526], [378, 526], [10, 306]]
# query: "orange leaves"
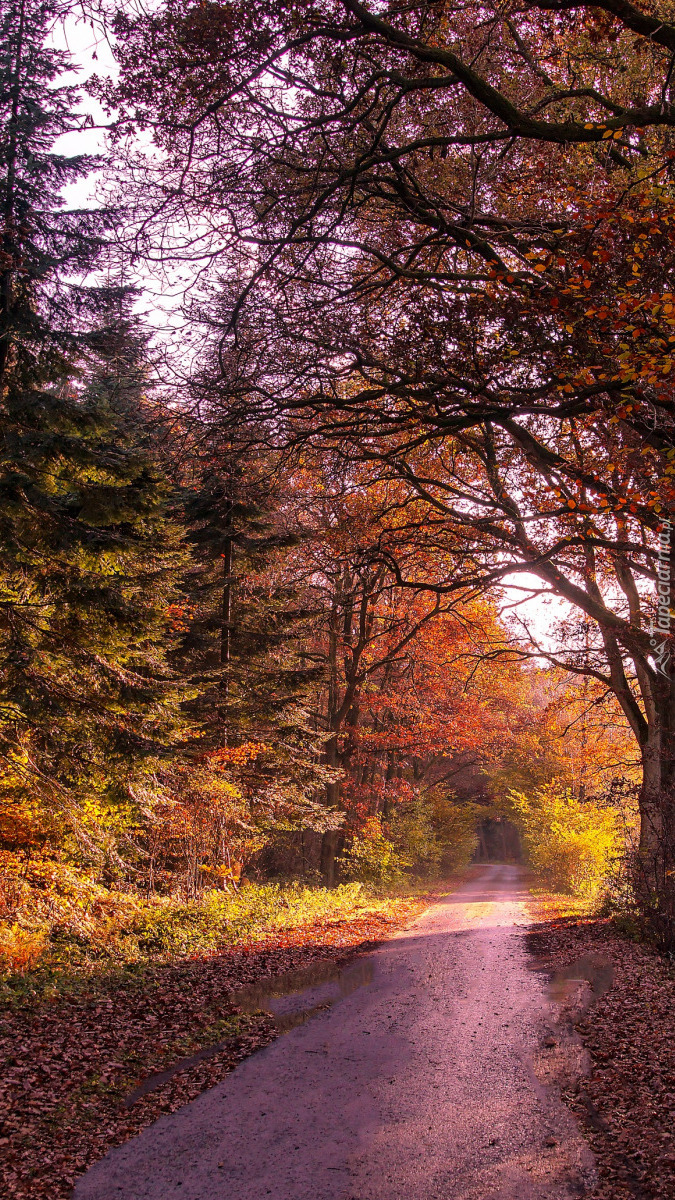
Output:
[[236, 756]]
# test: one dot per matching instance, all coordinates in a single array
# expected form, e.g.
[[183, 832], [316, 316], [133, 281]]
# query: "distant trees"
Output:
[[405, 679]]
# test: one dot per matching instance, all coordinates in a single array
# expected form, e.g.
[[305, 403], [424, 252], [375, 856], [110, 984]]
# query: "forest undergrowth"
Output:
[[79, 1035], [98, 934]]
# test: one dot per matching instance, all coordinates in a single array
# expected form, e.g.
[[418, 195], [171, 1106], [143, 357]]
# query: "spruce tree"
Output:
[[90, 560], [88, 556], [245, 635], [45, 245]]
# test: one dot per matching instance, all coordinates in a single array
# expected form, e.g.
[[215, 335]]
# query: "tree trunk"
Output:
[[226, 611], [654, 863], [329, 848], [8, 239]]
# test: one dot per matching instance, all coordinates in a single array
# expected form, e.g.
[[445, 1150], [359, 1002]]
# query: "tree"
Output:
[[244, 628], [420, 227], [45, 245], [407, 680], [89, 564]]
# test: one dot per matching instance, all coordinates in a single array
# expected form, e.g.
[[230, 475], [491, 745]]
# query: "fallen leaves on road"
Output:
[[626, 1103], [68, 1066]]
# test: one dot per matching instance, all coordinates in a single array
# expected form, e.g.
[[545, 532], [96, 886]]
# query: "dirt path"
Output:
[[418, 1084]]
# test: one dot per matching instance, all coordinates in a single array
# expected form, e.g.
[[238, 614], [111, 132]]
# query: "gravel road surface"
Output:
[[416, 1085]]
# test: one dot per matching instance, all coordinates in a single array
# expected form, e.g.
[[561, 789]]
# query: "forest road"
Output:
[[418, 1085]]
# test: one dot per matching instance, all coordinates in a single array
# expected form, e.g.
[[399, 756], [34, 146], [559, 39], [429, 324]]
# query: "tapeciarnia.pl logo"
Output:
[[659, 629]]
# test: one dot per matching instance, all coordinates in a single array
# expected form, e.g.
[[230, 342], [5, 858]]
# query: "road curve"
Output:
[[418, 1086]]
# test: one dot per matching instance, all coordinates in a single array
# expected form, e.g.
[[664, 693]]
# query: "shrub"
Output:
[[570, 843], [20, 949], [372, 857], [435, 832]]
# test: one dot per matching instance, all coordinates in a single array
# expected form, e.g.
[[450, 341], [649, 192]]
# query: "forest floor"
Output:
[[625, 1097], [72, 1051]]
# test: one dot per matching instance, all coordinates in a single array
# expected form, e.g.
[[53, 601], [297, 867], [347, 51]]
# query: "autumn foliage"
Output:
[[265, 594]]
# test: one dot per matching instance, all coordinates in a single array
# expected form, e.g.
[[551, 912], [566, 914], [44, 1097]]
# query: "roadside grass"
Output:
[[119, 937], [545, 905]]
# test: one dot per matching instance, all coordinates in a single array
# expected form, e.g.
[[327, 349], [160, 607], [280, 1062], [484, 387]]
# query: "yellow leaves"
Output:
[[540, 268], [569, 842]]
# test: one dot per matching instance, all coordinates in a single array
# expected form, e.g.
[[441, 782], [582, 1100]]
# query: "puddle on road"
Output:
[[295, 996], [597, 972], [562, 1058], [291, 999]]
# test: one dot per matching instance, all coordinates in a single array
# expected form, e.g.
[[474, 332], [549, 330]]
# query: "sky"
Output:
[[92, 55]]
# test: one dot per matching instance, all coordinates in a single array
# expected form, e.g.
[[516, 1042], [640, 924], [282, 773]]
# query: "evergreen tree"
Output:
[[89, 563], [44, 244], [88, 556], [245, 631]]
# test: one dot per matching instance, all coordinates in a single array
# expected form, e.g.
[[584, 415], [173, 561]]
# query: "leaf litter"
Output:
[[625, 1103], [70, 1062]]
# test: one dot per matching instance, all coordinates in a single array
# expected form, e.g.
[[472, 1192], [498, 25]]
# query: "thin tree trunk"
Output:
[[226, 622], [329, 848], [226, 612], [8, 239]]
